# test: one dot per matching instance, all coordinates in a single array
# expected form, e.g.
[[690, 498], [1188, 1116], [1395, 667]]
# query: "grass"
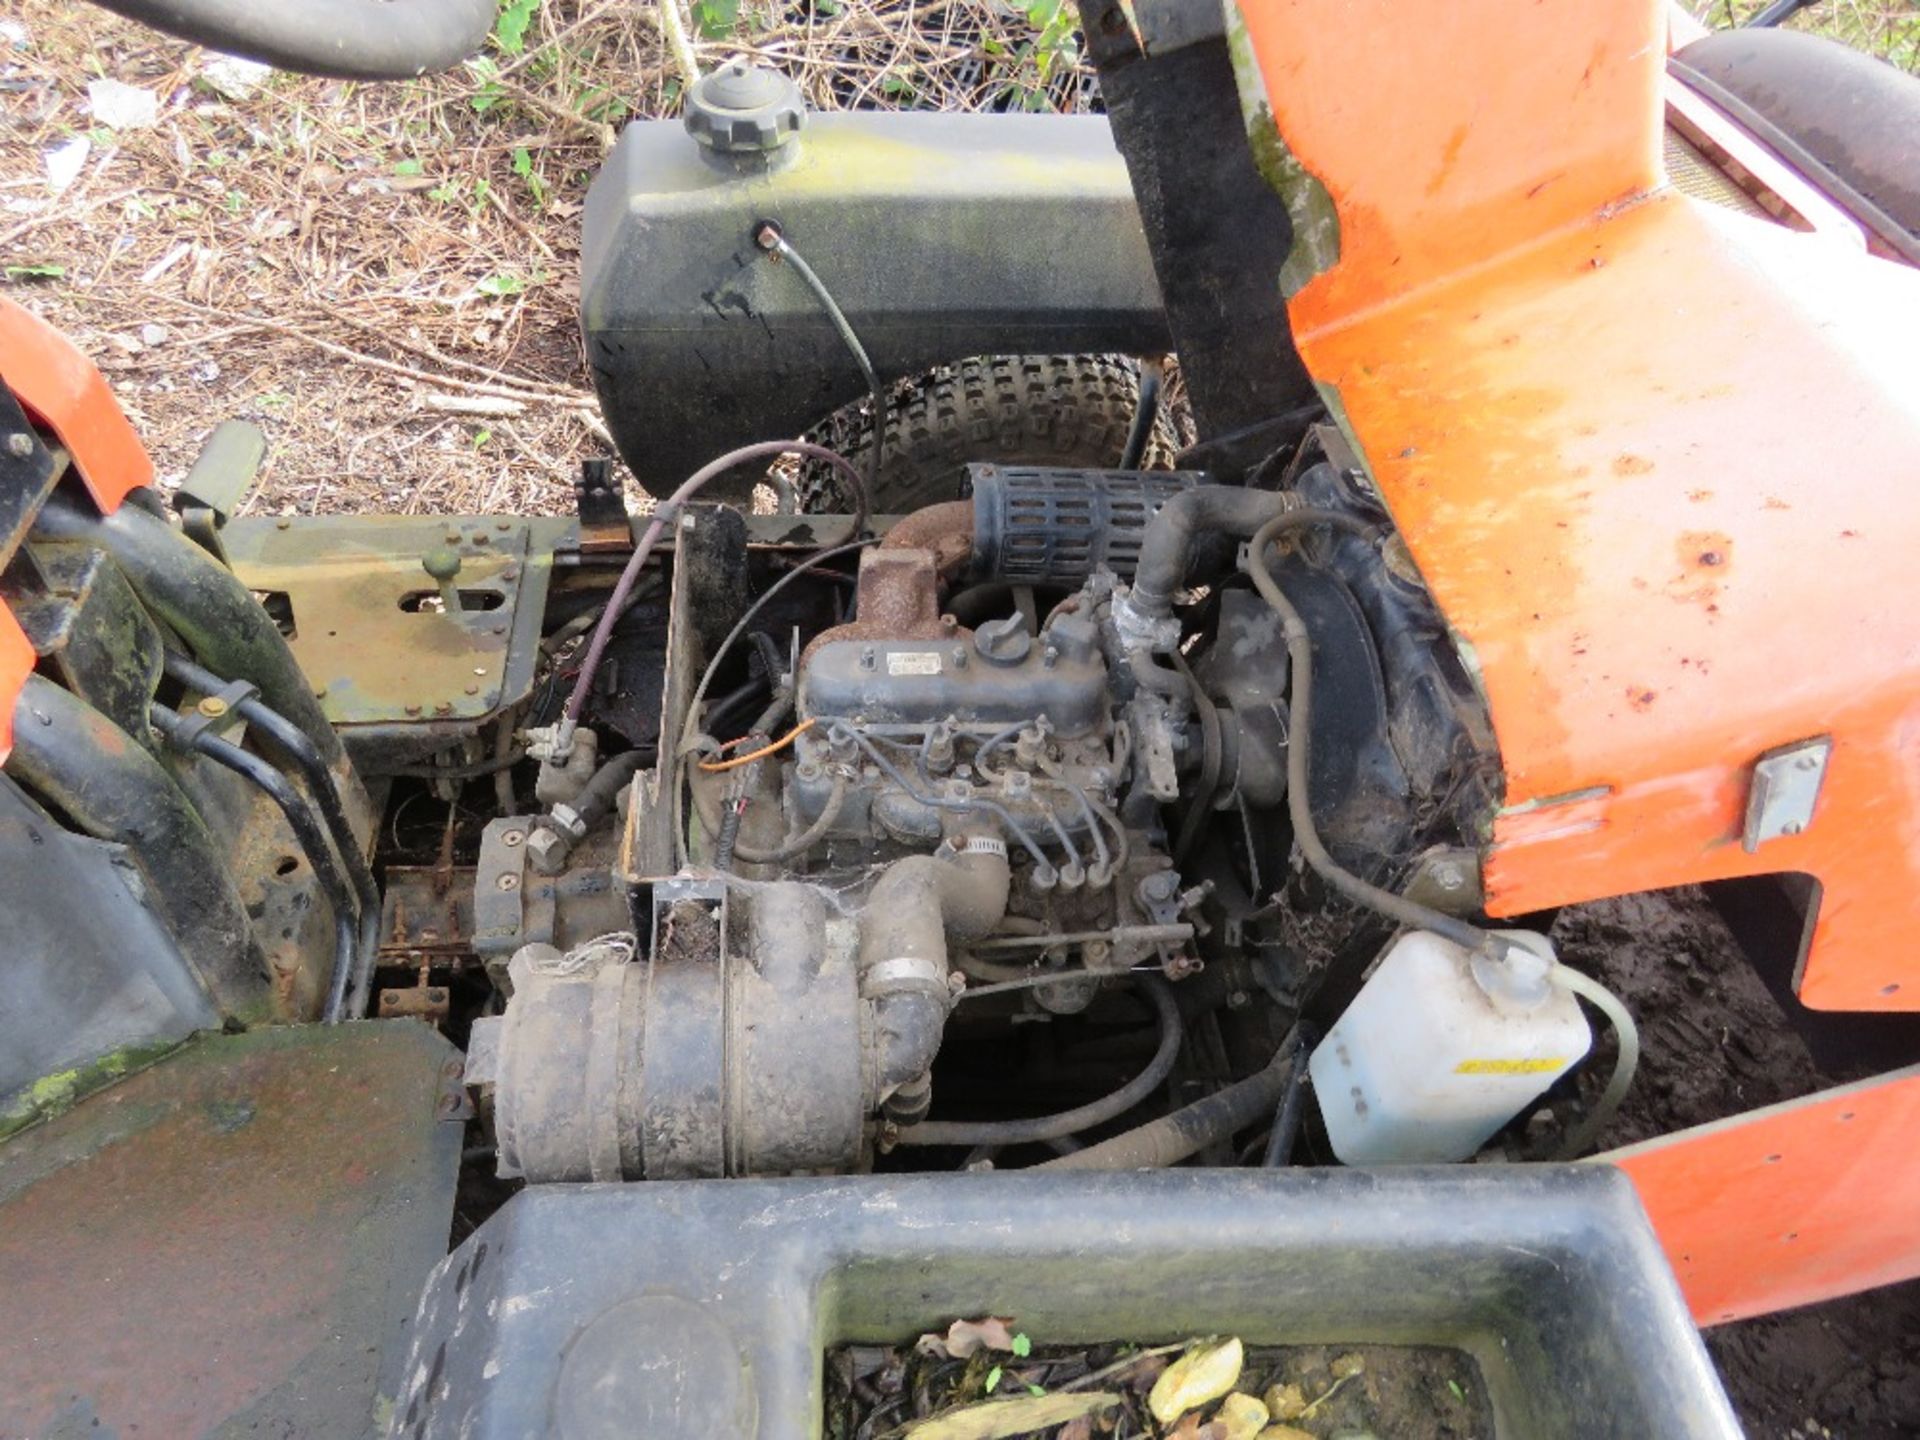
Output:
[[354, 267], [385, 277], [1887, 28]]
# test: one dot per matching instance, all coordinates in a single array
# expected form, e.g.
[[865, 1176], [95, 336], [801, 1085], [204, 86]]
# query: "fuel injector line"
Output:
[[306, 829]]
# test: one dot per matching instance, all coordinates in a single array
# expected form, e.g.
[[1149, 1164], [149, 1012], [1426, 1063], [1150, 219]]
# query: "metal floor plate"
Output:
[[230, 1242]]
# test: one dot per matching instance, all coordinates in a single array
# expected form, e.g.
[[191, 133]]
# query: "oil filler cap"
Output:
[[743, 109]]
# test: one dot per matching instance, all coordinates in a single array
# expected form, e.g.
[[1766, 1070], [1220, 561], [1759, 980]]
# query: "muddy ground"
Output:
[[1716, 1044]]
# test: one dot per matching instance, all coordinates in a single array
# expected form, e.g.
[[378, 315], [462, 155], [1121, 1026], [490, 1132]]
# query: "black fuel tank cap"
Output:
[[743, 109]]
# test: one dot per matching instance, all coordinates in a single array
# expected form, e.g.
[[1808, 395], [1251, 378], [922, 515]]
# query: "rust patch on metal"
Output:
[[898, 599], [946, 530], [370, 624], [229, 1240]]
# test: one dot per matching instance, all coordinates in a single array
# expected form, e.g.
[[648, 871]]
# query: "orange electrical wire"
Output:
[[765, 750]]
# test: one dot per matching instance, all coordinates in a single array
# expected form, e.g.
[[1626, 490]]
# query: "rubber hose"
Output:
[[204, 603], [807, 838], [1145, 411], [599, 795], [345, 39], [1626, 1062], [1286, 1121], [1069, 1122], [657, 526], [1299, 717], [1173, 1138]]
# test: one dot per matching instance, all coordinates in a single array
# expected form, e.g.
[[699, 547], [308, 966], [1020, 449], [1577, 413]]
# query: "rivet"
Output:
[[512, 572], [283, 523], [453, 537], [413, 709], [443, 708], [473, 689], [503, 525], [480, 537]]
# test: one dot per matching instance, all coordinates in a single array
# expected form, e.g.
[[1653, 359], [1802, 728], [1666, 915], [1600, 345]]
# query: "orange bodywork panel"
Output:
[[61, 390], [65, 392], [1659, 463], [1790, 1204]]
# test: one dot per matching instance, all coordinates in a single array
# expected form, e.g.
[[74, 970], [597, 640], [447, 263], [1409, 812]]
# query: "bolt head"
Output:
[[213, 707], [20, 445], [507, 882], [512, 838]]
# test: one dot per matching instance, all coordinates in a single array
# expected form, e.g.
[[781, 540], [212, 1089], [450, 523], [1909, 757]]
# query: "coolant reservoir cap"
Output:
[[1516, 982], [743, 109]]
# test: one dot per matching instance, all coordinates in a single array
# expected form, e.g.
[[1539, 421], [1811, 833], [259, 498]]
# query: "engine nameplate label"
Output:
[[914, 662]]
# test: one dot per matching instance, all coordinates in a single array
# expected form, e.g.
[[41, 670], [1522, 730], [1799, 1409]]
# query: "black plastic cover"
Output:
[[704, 1308]]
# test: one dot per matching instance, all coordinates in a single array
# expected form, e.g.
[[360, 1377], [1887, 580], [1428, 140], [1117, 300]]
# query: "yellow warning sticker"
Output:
[[1509, 1067]]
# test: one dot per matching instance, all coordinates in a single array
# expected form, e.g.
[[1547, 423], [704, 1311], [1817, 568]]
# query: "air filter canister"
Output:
[[1040, 525]]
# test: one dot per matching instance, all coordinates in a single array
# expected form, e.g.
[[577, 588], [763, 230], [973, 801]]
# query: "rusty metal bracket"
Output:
[[215, 714], [602, 503]]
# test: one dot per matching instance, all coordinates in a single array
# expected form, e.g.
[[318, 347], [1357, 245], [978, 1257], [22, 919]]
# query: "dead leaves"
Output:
[[965, 1338], [996, 1419], [1202, 1375]]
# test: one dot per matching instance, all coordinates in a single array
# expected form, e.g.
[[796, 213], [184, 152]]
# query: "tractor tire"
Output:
[[1072, 410]]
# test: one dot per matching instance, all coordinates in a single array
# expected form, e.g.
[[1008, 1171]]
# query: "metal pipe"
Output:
[[204, 603], [306, 829], [113, 789], [282, 735]]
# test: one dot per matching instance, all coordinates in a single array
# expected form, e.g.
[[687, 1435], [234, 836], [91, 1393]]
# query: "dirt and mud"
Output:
[[1715, 1043]]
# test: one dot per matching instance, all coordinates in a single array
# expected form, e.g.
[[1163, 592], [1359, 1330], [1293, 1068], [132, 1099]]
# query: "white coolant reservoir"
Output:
[[1441, 1048]]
